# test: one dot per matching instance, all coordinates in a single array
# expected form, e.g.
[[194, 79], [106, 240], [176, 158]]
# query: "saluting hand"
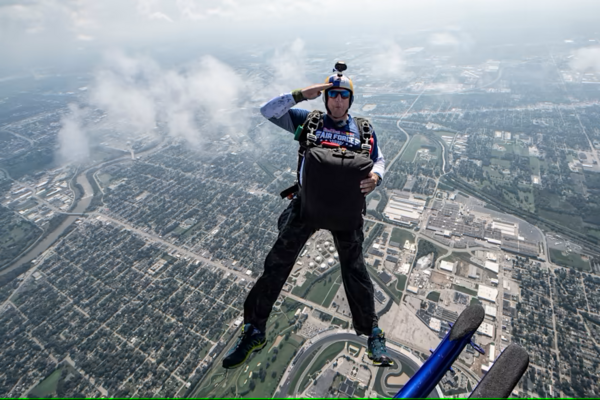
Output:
[[312, 92], [369, 184]]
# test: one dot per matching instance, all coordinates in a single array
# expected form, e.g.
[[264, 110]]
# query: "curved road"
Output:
[[362, 340]]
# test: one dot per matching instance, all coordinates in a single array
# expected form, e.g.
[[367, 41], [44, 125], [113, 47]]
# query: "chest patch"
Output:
[[345, 139]]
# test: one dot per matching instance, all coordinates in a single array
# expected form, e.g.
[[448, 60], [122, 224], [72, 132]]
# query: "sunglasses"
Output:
[[332, 94]]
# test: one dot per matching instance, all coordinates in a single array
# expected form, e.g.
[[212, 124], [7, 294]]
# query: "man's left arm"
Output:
[[376, 175]]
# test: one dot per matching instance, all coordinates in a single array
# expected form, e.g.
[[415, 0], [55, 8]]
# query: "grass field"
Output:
[[571, 260], [310, 279], [413, 146], [573, 222], [290, 306], [333, 291], [459, 256], [340, 323], [401, 283], [47, 387], [464, 290], [397, 292], [16, 234], [474, 301], [401, 236], [433, 296], [324, 291], [500, 162], [220, 383]]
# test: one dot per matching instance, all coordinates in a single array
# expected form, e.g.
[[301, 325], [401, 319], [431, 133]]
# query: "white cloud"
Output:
[[197, 103], [389, 62], [202, 101], [586, 59], [444, 39], [72, 139]]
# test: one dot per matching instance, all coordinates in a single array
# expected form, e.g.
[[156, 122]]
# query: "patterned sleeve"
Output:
[[279, 111], [378, 159]]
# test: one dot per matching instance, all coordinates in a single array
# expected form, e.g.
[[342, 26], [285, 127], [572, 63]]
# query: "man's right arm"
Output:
[[279, 111]]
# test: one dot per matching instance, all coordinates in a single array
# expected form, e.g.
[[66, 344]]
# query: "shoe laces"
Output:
[[378, 344]]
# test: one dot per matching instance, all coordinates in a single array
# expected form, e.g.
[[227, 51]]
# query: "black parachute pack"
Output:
[[330, 194]]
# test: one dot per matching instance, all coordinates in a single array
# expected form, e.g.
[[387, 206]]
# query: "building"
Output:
[[404, 211], [490, 311], [385, 277], [492, 266], [435, 324], [487, 293], [447, 266], [507, 228], [486, 329]]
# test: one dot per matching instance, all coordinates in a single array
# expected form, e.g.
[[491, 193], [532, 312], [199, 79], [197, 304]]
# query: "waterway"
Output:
[[42, 245]]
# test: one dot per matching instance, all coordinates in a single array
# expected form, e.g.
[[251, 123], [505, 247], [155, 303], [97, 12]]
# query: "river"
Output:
[[42, 245]]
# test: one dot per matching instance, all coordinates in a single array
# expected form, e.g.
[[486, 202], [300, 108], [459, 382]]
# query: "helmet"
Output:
[[339, 81]]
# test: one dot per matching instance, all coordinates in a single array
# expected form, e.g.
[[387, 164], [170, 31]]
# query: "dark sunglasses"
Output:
[[332, 94]]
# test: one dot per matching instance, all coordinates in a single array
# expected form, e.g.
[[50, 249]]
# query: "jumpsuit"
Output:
[[293, 233]]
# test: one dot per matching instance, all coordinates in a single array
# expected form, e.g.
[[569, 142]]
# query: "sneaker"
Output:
[[377, 351], [251, 340]]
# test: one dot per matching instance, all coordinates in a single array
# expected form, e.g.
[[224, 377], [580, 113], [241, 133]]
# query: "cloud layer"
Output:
[[202, 101], [586, 59]]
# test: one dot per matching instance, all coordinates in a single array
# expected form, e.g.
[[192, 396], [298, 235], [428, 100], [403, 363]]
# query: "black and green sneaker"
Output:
[[377, 350], [251, 340]]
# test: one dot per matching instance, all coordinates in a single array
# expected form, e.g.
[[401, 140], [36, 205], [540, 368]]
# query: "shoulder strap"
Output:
[[306, 135], [313, 121], [366, 133]]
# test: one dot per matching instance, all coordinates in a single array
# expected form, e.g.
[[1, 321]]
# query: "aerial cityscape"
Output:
[[135, 218]]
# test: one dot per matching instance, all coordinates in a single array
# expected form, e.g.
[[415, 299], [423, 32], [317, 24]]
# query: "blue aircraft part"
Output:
[[432, 371]]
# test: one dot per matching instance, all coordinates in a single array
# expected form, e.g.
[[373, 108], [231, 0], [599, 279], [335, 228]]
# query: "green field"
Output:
[[48, 386], [500, 162], [16, 234], [340, 323], [310, 280], [323, 292], [333, 291], [398, 287], [474, 301], [572, 221], [221, 383], [401, 284], [327, 355], [433, 296], [401, 236], [571, 260], [458, 256], [464, 290], [413, 146], [290, 306]]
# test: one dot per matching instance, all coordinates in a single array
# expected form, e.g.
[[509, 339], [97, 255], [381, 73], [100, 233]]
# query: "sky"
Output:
[[34, 33], [170, 60]]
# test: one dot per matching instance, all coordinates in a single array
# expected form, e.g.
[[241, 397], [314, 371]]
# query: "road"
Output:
[[329, 339]]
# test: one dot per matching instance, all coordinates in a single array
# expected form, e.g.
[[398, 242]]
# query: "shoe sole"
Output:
[[254, 350], [381, 363]]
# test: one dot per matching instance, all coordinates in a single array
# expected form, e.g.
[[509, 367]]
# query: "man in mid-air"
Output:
[[337, 129]]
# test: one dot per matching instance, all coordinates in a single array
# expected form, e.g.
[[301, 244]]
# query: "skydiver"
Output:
[[294, 231]]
